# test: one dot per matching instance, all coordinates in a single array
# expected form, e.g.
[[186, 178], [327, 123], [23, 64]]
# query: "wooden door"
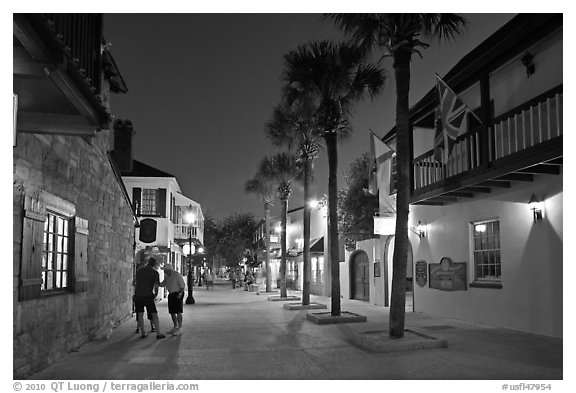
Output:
[[360, 280]]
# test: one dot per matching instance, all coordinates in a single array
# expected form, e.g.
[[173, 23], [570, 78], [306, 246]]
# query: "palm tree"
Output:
[[293, 126], [335, 77], [263, 189], [282, 169], [399, 36]]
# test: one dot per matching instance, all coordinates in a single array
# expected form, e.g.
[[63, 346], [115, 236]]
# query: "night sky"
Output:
[[202, 86]]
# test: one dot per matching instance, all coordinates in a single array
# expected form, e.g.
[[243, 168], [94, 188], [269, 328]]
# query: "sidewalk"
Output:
[[234, 334]]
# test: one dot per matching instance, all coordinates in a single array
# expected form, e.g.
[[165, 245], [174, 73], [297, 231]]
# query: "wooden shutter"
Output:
[[32, 243], [161, 202], [173, 209], [393, 174], [136, 199], [80, 254]]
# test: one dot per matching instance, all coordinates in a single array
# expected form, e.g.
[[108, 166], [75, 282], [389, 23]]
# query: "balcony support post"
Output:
[[486, 117]]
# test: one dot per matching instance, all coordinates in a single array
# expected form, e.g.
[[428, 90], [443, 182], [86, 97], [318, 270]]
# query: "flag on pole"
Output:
[[451, 120], [379, 175]]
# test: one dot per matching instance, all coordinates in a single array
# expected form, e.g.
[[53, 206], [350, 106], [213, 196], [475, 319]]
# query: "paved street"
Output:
[[234, 334]]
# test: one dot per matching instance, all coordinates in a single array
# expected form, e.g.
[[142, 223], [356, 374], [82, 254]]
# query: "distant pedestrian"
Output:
[[147, 282], [209, 279], [233, 278], [174, 283]]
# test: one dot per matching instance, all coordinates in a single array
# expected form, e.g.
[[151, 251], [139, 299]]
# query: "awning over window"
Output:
[[317, 245]]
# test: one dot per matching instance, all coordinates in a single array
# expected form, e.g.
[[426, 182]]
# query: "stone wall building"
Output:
[[73, 225]]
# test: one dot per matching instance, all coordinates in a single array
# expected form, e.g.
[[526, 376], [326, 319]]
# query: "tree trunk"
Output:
[[267, 240], [283, 245], [332, 151], [398, 297], [306, 252]]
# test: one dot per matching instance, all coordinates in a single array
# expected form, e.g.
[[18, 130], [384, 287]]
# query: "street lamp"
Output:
[[189, 218]]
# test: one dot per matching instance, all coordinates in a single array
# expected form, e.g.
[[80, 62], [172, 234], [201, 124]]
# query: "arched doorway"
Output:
[[359, 276]]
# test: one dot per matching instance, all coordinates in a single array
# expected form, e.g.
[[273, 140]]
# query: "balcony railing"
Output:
[[527, 126], [81, 38], [182, 231]]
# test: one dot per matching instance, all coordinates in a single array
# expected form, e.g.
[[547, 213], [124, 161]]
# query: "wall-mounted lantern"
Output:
[[422, 229], [528, 61], [536, 206]]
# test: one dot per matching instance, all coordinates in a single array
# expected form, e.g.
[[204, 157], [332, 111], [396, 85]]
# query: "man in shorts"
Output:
[[147, 281], [174, 283]]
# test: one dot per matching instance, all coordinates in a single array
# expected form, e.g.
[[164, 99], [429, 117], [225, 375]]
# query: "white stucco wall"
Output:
[[531, 295]]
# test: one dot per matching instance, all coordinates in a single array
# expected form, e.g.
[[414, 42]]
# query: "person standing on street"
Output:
[[174, 283], [208, 279], [147, 282]]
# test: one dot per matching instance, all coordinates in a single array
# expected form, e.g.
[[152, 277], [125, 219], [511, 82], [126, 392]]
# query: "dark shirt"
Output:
[[146, 280]]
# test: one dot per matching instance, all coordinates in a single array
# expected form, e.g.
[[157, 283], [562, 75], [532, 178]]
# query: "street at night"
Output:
[[237, 335], [234, 197]]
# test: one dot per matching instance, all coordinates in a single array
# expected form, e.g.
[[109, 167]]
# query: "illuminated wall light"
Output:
[[186, 250], [313, 203], [537, 207], [421, 229]]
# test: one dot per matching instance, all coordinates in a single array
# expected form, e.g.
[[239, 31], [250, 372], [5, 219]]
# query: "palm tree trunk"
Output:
[[398, 297], [332, 151], [306, 252], [283, 245], [267, 240]]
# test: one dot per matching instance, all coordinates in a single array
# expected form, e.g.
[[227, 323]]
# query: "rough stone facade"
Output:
[[78, 171]]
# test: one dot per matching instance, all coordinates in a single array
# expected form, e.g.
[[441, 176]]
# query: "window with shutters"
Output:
[[54, 248], [56, 266], [149, 202]]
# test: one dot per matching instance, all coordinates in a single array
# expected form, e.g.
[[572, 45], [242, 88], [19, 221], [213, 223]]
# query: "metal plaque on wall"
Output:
[[421, 273], [448, 275]]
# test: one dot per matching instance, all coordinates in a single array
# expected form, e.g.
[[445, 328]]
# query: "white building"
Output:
[[295, 245], [481, 253], [162, 212]]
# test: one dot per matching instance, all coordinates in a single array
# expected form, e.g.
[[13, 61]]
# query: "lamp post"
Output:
[[189, 277]]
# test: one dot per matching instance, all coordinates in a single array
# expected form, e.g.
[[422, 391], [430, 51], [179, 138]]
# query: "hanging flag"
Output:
[[372, 174], [379, 175], [452, 120], [440, 139]]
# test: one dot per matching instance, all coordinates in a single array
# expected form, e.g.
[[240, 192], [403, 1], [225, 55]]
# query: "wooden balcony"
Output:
[[513, 148], [57, 67], [182, 231]]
